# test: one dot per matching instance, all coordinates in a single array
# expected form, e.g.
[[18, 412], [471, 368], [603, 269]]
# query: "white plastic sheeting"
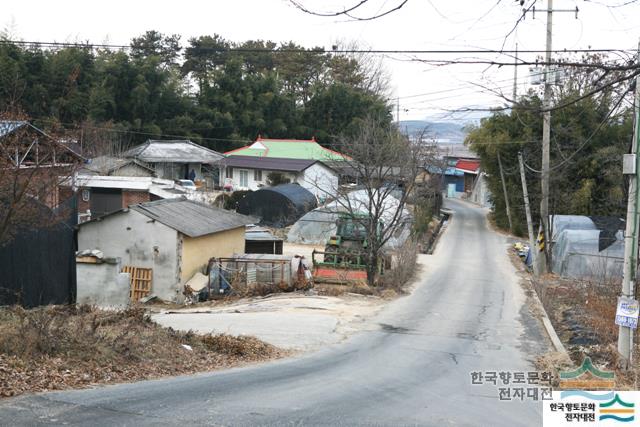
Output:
[[318, 225], [560, 223], [575, 253]]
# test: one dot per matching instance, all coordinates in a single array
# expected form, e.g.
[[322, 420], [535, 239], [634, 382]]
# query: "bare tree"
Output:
[[373, 76], [386, 166], [33, 164]]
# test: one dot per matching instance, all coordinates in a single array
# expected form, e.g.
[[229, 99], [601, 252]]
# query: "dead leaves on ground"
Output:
[[55, 348]]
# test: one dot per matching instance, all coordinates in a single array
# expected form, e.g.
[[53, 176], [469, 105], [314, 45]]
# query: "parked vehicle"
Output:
[[188, 184]]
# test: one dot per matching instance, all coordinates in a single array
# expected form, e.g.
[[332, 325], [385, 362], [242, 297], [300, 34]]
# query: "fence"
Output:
[[38, 266]]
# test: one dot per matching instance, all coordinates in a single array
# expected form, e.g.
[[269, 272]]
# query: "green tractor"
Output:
[[345, 257]]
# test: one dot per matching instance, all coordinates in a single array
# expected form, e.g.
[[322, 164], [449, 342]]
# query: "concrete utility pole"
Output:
[[546, 137], [527, 209], [515, 76], [506, 196], [625, 334]]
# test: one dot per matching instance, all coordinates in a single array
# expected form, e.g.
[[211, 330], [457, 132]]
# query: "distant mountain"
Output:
[[443, 131]]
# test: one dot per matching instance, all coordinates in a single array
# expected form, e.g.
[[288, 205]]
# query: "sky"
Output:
[[422, 90]]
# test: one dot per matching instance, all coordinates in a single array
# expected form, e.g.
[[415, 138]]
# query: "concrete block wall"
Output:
[[102, 284]]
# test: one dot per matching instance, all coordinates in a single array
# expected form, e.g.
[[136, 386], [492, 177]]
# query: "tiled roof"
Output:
[[287, 149], [107, 164], [176, 151]]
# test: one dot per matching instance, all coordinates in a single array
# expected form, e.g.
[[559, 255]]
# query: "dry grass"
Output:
[[404, 269], [554, 362], [583, 309], [578, 309], [334, 290], [58, 347]]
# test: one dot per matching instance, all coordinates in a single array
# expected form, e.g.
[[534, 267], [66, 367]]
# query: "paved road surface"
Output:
[[412, 370]]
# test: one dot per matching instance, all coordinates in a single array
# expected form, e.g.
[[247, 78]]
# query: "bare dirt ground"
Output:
[[302, 321], [61, 347]]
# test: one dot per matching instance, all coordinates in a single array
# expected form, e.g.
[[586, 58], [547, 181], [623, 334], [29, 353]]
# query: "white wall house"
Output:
[[251, 173]]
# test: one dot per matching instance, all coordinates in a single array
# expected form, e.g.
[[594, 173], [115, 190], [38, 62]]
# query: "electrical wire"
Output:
[[318, 51]]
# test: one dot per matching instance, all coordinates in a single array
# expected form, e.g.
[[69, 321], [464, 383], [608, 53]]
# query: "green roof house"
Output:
[[304, 162], [288, 149]]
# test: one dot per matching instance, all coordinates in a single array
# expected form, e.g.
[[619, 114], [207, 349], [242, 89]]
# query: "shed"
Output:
[[259, 240], [278, 206], [162, 244]]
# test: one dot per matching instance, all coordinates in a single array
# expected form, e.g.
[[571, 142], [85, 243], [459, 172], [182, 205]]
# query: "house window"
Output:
[[244, 178], [257, 175], [229, 172]]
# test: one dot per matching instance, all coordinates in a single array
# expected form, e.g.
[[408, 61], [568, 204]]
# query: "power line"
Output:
[[349, 11], [133, 132], [319, 50]]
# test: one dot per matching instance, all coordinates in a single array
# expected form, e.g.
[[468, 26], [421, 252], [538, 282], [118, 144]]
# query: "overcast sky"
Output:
[[419, 25]]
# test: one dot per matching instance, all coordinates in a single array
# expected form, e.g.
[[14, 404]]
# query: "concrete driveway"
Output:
[[291, 321]]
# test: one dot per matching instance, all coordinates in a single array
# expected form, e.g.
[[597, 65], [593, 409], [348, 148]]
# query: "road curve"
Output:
[[413, 368]]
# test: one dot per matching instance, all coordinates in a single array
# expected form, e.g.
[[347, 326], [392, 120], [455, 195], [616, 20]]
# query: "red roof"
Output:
[[468, 165]]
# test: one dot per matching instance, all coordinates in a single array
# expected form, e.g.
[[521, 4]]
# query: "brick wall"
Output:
[[134, 197], [83, 205]]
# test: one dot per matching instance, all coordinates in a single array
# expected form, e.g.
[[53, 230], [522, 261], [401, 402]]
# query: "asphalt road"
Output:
[[412, 369]]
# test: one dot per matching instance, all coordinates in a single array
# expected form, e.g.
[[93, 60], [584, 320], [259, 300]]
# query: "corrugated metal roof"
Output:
[[262, 257], [268, 163], [191, 218], [175, 151], [451, 171], [263, 236], [468, 165], [260, 233]]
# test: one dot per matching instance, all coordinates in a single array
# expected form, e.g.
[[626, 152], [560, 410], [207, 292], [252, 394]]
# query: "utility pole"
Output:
[[543, 261], [504, 184], [398, 112], [527, 209], [515, 76], [504, 189], [546, 137], [625, 334]]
